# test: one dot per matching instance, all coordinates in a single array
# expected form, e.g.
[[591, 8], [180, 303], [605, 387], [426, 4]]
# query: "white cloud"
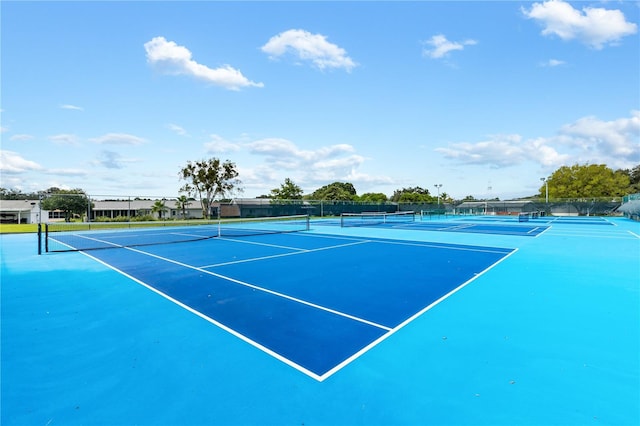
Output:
[[499, 151], [274, 147], [540, 151], [308, 168], [68, 172], [552, 63], [587, 140], [12, 163], [617, 140], [72, 107], [595, 27], [21, 137], [285, 151], [309, 47], [118, 139], [177, 129], [172, 58], [64, 139], [349, 163], [219, 145], [260, 176], [440, 46]]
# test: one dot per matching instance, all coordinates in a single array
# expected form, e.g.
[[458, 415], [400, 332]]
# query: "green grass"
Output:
[[14, 228]]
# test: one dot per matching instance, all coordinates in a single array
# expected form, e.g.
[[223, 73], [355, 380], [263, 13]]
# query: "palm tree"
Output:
[[182, 202], [159, 207]]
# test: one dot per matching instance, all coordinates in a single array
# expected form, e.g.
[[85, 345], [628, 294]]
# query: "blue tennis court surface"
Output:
[[475, 225], [271, 290], [350, 326]]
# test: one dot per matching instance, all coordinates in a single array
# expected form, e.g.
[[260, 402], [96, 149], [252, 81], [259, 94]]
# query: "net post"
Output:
[[46, 237], [308, 221], [39, 239]]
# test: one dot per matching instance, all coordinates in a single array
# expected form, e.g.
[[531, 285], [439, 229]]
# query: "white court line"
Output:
[[546, 229], [460, 247], [258, 244], [634, 234], [453, 228], [100, 241], [300, 251], [214, 322], [581, 233], [408, 320], [389, 331], [403, 243], [266, 290], [228, 329], [115, 236]]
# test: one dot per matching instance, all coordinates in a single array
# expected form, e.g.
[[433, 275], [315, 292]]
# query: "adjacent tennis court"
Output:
[[315, 323], [411, 220]]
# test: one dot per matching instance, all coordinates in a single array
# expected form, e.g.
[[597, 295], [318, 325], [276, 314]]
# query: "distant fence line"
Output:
[[579, 207], [127, 208], [264, 207]]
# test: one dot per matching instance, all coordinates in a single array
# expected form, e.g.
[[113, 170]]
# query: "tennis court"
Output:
[[377, 324], [472, 224]]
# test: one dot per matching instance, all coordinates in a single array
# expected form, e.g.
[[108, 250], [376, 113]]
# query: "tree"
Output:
[[585, 181], [287, 191], [373, 197], [336, 191], [16, 194], [208, 179], [182, 202], [71, 202], [446, 198], [159, 207], [412, 195], [634, 175], [634, 179]]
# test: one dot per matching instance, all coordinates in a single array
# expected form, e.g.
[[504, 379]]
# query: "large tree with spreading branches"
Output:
[[73, 202], [208, 180]]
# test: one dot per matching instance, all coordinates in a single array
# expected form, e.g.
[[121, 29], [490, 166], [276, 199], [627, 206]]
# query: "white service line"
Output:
[[299, 251], [266, 290]]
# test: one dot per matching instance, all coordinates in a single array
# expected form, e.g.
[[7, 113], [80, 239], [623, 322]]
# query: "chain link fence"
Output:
[[568, 207]]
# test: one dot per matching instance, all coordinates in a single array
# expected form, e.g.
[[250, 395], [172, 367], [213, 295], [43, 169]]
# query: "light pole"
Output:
[[546, 187], [438, 186]]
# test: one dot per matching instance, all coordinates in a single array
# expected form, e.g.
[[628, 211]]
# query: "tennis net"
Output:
[[526, 216], [432, 214], [375, 218], [75, 236]]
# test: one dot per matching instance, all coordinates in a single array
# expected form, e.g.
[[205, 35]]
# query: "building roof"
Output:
[[18, 205]]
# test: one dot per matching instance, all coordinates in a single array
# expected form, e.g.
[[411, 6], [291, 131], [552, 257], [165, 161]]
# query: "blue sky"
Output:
[[484, 98]]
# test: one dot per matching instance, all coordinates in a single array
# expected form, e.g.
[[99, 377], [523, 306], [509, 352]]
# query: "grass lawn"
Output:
[[15, 228]]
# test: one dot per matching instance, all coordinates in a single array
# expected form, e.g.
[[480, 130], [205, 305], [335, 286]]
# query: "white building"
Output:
[[22, 211], [29, 211], [130, 208]]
